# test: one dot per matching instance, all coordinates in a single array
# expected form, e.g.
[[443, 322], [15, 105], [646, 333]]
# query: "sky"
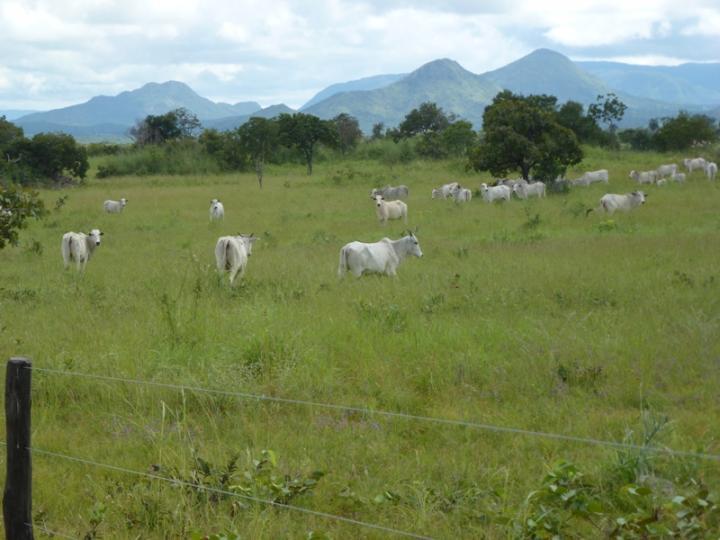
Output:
[[55, 53]]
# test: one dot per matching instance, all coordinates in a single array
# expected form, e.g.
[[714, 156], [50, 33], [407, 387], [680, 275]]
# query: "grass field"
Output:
[[525, 314]]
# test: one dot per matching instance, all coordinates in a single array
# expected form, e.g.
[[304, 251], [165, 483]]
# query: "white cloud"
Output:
[[286, 50]]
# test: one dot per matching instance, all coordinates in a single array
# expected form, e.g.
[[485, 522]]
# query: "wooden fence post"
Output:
[[17, 499]]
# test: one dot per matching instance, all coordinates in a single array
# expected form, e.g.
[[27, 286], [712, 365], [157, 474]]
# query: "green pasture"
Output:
[[521, 314]]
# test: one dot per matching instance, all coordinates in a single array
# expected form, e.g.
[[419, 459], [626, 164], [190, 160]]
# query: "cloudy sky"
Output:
[[55, 53]]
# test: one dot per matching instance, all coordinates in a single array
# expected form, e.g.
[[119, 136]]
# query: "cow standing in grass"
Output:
[[232, 252], [79, 247], [381, 257]]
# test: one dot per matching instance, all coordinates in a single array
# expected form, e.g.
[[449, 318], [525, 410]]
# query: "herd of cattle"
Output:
[[232, 252]]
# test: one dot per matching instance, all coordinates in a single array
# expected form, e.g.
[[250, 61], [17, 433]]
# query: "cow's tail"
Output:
[[343, 265], [67, 251], [221, 257]]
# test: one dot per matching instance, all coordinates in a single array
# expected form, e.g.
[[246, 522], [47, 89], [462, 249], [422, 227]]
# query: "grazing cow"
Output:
[[232, 252], [494, 193], [678, 177], [381, 257], [445, 191], [79, 247], [524, 190], [591, 177], [115, 207], [694, 163], [462, 194], [391, 193], [217, 210], [666, 170], [644, 177], [661, 182], [610, 202], [711, 170], [389, 209]]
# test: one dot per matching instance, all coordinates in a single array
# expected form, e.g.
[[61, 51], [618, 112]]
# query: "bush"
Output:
[[183, 156]]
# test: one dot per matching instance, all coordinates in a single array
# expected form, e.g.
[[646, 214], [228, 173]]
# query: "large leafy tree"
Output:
[[259, 138], [49, 156], [157, 129], [522, 133], [427, 118], [304, 132], [572, 115]]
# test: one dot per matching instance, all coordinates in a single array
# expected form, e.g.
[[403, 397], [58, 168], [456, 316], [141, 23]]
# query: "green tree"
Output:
[[607, 109], [259, 138], [683, 131], [157, 129], [9, 133], [304, 132], [522, 133], [458, 138], [572, 115], [426, 118], [51, 156], [378, 131], [16, 207], [348, 132]]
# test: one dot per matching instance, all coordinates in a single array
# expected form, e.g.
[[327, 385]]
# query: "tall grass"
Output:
[[525, 314]]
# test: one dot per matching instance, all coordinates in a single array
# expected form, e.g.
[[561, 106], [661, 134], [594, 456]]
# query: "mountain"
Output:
[[697, 84], [128, 107], [367, 83], [444, 81], [233, 122], [12, 114], [547, 72]]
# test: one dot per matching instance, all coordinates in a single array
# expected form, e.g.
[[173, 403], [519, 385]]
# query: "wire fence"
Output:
[[327, 406], [391, 414]]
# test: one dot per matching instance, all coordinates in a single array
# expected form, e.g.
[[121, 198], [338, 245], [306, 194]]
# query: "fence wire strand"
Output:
[[50, 532], [209, 489], [391, 414]]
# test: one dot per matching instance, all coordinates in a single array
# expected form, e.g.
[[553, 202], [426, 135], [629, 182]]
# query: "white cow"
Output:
[[644, 177], [591, 177], [115, 207], [661, 182], [694, 163], [445, 191], [667, 170], [494, 193], [462, 194], [79, 247], [678, 177], [711, 170], [381, 257], [232, 252], [389, 209], [391, 193], [610, 202], [217, 210], [524, 190]]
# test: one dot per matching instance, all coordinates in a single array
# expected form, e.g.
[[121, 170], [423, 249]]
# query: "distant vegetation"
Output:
[[531, 135]]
